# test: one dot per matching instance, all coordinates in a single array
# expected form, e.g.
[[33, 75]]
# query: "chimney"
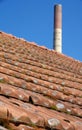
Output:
[[57, 43]]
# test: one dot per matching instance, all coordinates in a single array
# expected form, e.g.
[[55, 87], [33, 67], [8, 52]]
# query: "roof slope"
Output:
[[40, 89]]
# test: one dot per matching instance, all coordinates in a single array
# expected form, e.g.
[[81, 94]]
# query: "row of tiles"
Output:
[[65, 86], [39, 99], [13, 61], [37, 85], [19, 59], [38, 52], [19, 112]]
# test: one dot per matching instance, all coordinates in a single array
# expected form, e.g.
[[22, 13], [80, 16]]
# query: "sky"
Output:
[[33, 20]]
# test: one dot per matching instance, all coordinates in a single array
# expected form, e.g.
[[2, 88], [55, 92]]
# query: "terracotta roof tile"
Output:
[[40, 89]]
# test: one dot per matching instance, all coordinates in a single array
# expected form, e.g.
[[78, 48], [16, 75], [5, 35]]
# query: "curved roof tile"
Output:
[[40, 89]]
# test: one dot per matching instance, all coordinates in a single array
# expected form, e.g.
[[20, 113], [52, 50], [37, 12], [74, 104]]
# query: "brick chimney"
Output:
[[57, 43]]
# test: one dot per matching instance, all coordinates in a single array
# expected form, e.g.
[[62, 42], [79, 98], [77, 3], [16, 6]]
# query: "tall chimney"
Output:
[[57, 44]]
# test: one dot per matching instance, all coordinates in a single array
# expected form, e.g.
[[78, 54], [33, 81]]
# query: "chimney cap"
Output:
[[57, 5]]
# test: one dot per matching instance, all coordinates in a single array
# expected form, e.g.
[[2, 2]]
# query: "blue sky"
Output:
[[33, 21]]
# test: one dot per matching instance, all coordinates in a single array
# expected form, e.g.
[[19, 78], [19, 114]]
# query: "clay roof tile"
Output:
[[40, 89]]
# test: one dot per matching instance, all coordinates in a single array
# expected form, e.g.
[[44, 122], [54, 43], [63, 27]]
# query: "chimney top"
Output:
[[58, 5]]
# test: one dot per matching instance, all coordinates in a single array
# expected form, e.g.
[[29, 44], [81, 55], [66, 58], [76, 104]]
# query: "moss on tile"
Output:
[[32, 125], [2, 80], [16, 75], [54, 107], [68, 111]]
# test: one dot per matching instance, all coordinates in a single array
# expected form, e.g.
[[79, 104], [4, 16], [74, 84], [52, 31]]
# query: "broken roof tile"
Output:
[[40, 89]]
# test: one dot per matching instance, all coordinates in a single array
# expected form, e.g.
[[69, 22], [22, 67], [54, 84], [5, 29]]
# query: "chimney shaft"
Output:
[[57, 45]]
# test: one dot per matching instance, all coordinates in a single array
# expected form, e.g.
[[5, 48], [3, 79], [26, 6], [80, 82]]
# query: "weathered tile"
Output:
[[40, 89]]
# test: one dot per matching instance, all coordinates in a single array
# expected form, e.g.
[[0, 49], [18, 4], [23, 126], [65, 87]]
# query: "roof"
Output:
[[40, 89]]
